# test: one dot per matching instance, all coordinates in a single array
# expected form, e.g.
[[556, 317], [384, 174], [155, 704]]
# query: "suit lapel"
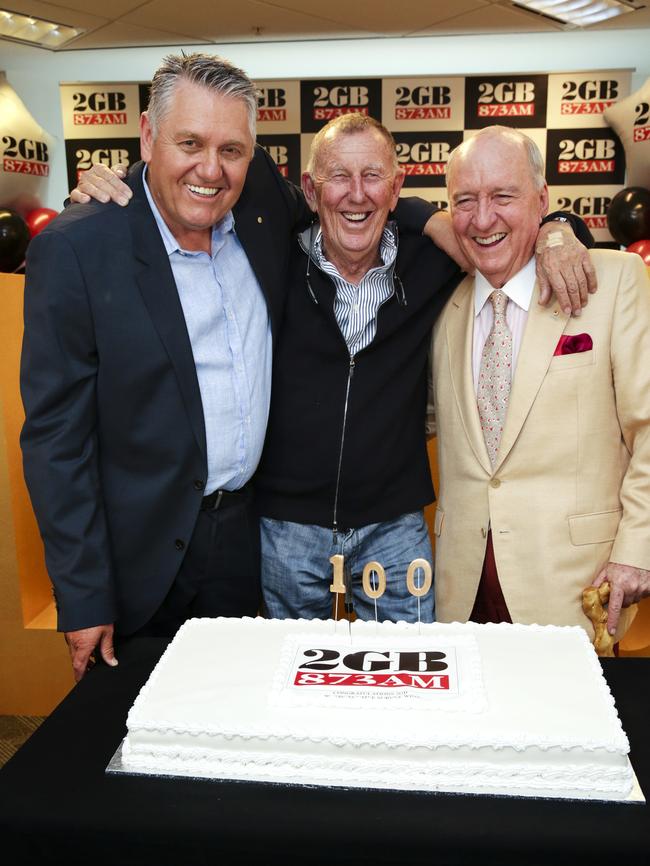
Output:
[[460, 333], [155, 280], [254, 228], [544, 327]]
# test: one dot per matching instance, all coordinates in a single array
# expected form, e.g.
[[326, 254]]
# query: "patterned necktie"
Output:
[[495, 376]]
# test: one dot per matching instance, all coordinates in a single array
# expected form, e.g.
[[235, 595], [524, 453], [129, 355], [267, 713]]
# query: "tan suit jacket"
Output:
[[571, 487]]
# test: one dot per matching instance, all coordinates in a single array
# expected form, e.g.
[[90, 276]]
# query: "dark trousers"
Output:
[[220, 574]]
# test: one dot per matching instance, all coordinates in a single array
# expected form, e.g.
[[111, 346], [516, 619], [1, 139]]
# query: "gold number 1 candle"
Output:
[[337, 584]]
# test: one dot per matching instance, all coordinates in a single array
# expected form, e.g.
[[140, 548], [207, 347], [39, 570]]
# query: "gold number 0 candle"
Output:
[[419, 591], [378, 569]]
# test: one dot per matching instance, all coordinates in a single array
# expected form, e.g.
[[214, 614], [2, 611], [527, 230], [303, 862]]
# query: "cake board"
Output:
[[116, 767]]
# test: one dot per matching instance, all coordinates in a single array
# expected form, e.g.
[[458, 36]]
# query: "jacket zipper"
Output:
[[335, 528], [340, 463]]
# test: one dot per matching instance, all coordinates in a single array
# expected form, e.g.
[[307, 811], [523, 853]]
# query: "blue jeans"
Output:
[[296, 572]]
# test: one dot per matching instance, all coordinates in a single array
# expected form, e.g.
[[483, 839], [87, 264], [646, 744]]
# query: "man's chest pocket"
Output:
[[565, 363]]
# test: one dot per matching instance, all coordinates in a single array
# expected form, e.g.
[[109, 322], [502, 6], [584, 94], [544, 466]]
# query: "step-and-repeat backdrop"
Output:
[[563, 113]]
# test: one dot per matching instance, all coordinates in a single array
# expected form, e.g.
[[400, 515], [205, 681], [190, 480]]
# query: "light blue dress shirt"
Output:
[[228, 324]]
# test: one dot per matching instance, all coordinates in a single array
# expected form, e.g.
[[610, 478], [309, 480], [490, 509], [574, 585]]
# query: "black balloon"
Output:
[[14, 237], [628, 216]]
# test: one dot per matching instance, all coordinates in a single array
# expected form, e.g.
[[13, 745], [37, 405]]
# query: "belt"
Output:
[[225, 498]]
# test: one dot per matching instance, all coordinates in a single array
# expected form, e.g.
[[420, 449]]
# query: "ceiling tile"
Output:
[[244, 19], [123, 35], [384, 16], [112, 10], [491, 19], [128, 23], [639, 19], [50, 12]]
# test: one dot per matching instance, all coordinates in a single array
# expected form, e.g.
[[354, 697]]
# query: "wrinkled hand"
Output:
[[83, 643], [103, 184], [440, 230], [563, 267], [628, 585]]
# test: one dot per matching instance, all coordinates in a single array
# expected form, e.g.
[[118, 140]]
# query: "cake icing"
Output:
[[503, 709]]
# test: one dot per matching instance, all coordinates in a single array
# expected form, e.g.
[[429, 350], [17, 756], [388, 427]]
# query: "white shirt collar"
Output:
[[518, 289]]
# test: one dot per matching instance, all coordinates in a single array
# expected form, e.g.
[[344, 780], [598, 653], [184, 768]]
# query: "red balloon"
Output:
[[37, 219], [641, 248]]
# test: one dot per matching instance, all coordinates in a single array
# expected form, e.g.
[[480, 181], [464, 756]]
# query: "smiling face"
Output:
[[197, 162], [496, 206], [354, 185]]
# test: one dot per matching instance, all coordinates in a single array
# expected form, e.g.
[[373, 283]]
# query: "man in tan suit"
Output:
[[543, 420]]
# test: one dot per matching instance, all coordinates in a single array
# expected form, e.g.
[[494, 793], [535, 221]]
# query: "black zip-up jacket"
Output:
[[384, 469]]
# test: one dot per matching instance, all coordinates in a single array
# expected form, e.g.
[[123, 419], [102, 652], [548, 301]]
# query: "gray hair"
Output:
[[533, 153], [349, 124], [207, 70]]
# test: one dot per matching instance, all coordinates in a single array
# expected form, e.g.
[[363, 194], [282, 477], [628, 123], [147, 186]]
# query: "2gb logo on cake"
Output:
[[388, 669]]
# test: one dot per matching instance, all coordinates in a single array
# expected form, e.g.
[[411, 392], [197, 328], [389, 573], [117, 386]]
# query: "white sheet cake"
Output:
[[502, 709]]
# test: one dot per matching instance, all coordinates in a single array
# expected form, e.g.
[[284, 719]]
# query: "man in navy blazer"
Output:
[[147, 365]]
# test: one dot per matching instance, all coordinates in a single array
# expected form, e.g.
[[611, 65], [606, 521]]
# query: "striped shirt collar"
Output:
[[387, 248]]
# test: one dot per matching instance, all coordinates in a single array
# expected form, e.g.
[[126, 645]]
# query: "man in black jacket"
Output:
[[344, 471]]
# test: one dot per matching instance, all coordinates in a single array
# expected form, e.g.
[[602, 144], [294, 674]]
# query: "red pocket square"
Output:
[[570, 344]]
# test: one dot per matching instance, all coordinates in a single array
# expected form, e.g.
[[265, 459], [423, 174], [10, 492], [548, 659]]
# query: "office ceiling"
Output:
[[133, 23]]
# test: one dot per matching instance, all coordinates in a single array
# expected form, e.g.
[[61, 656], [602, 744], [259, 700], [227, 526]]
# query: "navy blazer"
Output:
[[114, 440]]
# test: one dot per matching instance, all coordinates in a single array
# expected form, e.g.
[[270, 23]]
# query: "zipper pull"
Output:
[[351, 366]]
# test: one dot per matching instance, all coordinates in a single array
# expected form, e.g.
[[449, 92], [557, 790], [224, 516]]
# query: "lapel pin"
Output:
[[259, 219]]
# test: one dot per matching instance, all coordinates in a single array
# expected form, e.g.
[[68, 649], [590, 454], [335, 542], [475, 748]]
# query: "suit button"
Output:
[[496, 482], [199, 485], [179, 544]]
